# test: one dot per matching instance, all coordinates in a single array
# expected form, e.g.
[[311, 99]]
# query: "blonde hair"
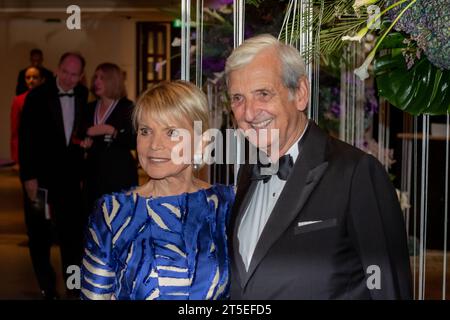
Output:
[[176, 100], [114, 80]]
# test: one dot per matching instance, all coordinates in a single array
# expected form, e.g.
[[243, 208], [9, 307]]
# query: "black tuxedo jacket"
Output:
[[43, 152], [356, 230]]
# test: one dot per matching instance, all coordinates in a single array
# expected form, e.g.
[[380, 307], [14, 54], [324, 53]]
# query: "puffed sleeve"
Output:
[[377, 229], [98, 275]]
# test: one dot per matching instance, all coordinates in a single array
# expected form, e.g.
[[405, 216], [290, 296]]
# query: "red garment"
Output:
[[16, 111]]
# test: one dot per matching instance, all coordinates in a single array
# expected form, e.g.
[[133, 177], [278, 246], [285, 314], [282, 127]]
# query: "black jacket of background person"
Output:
[[43, 152]]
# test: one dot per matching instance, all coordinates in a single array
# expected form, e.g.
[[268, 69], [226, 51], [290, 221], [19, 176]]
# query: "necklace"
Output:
[[102, 120]]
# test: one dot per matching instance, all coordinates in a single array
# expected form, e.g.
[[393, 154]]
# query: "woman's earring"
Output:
[[198, 157]]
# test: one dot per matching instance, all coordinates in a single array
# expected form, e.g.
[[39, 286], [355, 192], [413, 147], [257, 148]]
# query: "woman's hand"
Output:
[[100, 130], [86, 143], [31, 187]]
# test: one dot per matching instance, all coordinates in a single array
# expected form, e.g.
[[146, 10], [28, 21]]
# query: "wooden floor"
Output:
[[433, 275], [18, 281]]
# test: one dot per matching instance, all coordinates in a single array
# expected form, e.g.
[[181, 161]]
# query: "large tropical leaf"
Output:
[[423, 88]]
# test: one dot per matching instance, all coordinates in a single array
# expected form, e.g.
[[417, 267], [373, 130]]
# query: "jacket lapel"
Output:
[[307, 172], [78, 110], [55, 106]]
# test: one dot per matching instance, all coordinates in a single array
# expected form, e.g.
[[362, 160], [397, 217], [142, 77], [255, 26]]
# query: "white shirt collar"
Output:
[[293, 150]]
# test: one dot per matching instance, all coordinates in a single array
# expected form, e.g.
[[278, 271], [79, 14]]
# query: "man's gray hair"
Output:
[[292, 65]]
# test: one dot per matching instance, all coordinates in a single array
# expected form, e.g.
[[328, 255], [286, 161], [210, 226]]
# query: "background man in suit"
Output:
[[50, 157], [36, 60], [328, 225]]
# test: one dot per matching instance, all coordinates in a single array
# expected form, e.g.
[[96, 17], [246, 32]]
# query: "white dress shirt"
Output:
[[259, 209], [68, 112]]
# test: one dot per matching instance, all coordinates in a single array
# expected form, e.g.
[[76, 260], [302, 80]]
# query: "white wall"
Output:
[[101, 39]]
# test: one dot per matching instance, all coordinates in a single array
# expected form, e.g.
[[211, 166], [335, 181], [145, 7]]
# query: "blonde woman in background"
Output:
[[110, 166]]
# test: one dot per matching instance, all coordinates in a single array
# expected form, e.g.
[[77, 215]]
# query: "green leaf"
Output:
[[421, 89], [255, 3], [393, 40]]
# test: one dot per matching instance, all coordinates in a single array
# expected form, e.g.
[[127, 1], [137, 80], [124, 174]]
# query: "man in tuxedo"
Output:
[[50, 158], [328, 224], [36, 60]]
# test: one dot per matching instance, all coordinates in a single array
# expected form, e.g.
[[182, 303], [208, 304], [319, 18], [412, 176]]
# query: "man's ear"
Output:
[[302, 94], [234, 121]]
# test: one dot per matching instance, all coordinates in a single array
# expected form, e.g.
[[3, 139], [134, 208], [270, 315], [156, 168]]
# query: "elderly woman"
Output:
[[110, 165], [166, 238]]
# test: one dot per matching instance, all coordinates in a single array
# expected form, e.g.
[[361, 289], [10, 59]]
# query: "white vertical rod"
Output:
[[444, 272], [309, 9], [316, 62], [423, 206], [185, 39], [285, 23], [415, 131], [353, 96], [406, 168], [238, 27], [342, 113], [238, 21], [387, 133], [199, 44], [294, 16]]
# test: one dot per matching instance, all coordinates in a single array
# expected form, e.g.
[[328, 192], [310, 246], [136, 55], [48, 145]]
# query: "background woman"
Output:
[[110, 165]]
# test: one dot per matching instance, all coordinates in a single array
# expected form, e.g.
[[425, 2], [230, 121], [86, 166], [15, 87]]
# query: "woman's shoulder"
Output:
[[113, 211], [216, 188], [120, 197], [112, 203]]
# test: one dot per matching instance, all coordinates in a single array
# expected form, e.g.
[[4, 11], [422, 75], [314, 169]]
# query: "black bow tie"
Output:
[[285, 164], [61, 94]]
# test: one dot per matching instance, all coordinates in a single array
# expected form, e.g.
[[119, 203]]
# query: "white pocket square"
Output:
[[305, 223]]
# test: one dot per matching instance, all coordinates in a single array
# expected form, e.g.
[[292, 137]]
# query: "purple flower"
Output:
[[371, 106], [211, 64], [248, 32], [335, 91], [335, 109]]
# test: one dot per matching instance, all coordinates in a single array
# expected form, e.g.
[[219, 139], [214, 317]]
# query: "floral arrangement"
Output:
[[427, 23], [330, 108], [414, 82]]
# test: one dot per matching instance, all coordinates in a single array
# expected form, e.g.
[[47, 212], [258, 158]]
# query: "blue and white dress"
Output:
[[171, 247]]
